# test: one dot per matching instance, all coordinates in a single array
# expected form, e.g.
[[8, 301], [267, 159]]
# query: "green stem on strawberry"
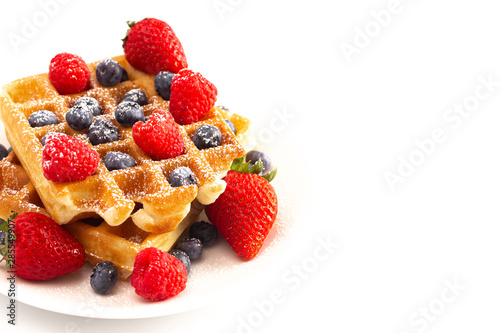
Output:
[[239, 166], [9, 238]]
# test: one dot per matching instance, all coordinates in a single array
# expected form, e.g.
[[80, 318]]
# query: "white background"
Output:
[[354, 118]]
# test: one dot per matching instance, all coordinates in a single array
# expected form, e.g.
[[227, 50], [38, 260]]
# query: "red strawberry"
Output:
[[191, 96], [245, 212], [159, 137], [66, 159], [68, 73], [152, 46], [158, 275], [42, 249]]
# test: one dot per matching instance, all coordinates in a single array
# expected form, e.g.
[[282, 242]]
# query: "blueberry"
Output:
[[102, 131], [183, 257], [44, 139], [223, 107], [108, 72], [124, 76], [79, 118], [90, 103], [42, 118], [128, 113], [3, 152], [115, 160], [136, 95], [192, 246], [182, 176], [207, 136], [104, 277], [231, 125], [204, 231], [254, 155], [163, 81]]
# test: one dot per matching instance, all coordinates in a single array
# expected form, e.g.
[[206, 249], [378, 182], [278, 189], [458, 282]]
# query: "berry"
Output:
[[66, 159], [43, 249], [79, 118], [163, 82], [69, 74], [44, 139], [3, 152], [254, 155], [108, 72], [207, 136], [192, 246], [152, 46], [157, 275], [183, 257], [231, 125], [42, 118], [206, 232], [104, 277], [191, 97], [90, 103], [102, 131], [128, 113], [159, 137], [135, 95], [245, 212], [115, 160], [182, 176]]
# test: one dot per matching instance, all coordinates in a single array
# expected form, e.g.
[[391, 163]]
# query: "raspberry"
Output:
[[159, 137], [191, 96], [158, 275], [152, 46], [66, 159], [68, 73]]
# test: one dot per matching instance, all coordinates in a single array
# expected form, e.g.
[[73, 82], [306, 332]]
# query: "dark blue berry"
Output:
[[108, 72], [192, 247], [231, 125], [102, 131], [254, 155], [204, 231], [136, 95], [183, 257], [115, 160], [42, 118], [124, 74], [163, 81], [3, 152], [104, 277], [44, 139], [128, 113], [79, 118], [182, 176], [207, 136], [90, 103]]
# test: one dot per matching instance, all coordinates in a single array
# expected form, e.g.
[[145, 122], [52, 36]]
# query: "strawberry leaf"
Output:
[[257, 168], [270, 175], [8, 238]]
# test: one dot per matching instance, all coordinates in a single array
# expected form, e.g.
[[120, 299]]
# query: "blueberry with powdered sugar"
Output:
[[116, 160], [91, 103], [182, 176], [207, 136], [102, 131], [42, 118], [135, 95], [128, 113]]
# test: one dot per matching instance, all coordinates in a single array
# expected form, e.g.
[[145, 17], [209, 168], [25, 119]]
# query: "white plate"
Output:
[[216, 274]]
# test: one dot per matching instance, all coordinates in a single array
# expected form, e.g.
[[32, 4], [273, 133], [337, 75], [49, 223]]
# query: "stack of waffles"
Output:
[[114, 214]]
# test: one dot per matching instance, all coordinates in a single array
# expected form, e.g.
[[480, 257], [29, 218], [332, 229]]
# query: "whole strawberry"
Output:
[[43, 249], [159, 136], [68, 73], [191, 96], [66, 159], [245, 212], [152, 46], [158, 275]]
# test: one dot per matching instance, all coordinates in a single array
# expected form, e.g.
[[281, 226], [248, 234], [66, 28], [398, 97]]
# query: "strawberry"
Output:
[[39, 248], [68, 73], [152, 46], [191, 96], [245, 212], [66, 159], [159, 137]]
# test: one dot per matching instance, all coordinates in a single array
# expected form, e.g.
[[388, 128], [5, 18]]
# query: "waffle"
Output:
[[141, 193]]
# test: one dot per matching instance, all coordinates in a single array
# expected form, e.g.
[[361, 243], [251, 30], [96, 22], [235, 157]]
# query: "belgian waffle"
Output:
[[141, 193]]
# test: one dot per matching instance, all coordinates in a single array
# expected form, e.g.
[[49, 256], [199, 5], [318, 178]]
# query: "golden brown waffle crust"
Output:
[[143, 192]]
